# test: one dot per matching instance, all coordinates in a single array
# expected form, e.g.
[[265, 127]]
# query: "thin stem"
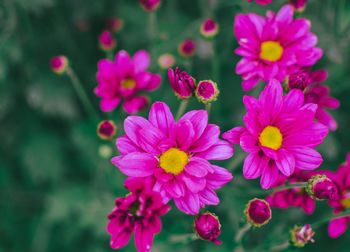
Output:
[[289, 186], [280, 247], [84, 99], [152, 26], [327, 219], [208, 108], [215, 63], [183, 238], [182, 108], [241, 232]]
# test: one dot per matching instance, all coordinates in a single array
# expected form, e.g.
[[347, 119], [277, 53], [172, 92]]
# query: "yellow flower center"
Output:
[[173, 161], [128, 83], [345, 202], [271, 137], [271, 51]]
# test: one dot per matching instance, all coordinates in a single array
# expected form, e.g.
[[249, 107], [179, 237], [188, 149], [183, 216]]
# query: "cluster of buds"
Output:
[[106, 41], [150, 5], [208, 227], [209, 28], [59, 64], [320, 187], [301, 235], [106, 129], [258, 212]]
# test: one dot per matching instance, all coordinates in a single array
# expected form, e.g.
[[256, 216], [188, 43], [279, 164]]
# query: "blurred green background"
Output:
[[55, 187]]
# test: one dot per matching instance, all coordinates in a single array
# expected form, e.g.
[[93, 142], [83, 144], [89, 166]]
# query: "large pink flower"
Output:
[[124, 79], [296, 197], [176, 154], [138, 212], [311, 82], [342, 180], [279, 134], [273, 46]]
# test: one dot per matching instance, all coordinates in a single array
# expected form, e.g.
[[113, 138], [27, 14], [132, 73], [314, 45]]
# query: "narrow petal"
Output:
[[136, 164], [199, 120], [175, 188], [141, 60], [194, 184], [337, 227], [209, 137], [120, 240], [198, 167], [184, 134], [234, 135], [285, 162], [143, 238], [135, 104], [306, 158], [161, 117], [107, 105], [220, 151], [254, 165], [218, 178], [125, 145], [269, 176], [293, 100], [208, 197]]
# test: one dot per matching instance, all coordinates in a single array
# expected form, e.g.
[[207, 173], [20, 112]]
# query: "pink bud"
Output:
[[166, 60], [299, 80], [115, 24], [106, 41], [182, 83], [301, 235], [258, 212], [209, 28], [187, 48], [208, 227], [59, 64], [150, 5], [106, 129], [207, 91], [299, 5], [322, 188]]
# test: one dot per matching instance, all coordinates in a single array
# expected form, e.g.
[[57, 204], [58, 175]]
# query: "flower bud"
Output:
[[166, 60], [115, 24], [301, 235], [322, 188], [106, 129], [105, 151], [59, 64], [150, 5], [208, 227], [106, 41], [207, 91], [209, 28], [299, 80], [182, 83], [187, 48], [299, 5], [258, 212]]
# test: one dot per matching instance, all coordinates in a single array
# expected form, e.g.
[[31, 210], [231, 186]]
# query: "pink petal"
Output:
[[271, 98], [285, 162], [218, 178], [209, 137], [254, 165], [120, 240], [234, 135], [198, 167], [133, 124], [141, 60], [161, 117], [175, 188], [143, 238], [293, 100], [199, 120], [184, 134], [208, 197], [327, 119], [220, 151], [125, 145], [136, 164], [337, 227], [269, 176], [107, 105], [148, 140], [135, 104], [306, 158], [194, 184], [249, 143], [250, 83]]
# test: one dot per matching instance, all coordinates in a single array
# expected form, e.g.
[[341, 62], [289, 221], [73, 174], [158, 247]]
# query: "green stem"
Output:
[[289, 186], [109, 55], [84, 99], [182, 108], [183, 238], [241, 232], [152, 26], [280, 247], [327, 219], [215, 63], [208, 108]]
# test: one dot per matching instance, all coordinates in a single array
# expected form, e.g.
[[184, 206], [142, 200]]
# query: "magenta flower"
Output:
[[182, 83], [321, 187], [207, 91], [296, 197], [273, 46], [187, 48], [315, 92], [262, 2], [208, 227], [106, 129], [209, 28], [139, 212], [341, 178], [124, 79], [258, 212], [59, 64], [106, 41], [150, 5], [279, 134], [176, 154]]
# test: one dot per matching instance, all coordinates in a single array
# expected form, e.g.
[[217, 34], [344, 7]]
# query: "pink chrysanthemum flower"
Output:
[[295, 197], [176, 154], [279, 134], [273, 46], [139, 212], [315, 92], [262, 2], [124, 79], [342, 180]]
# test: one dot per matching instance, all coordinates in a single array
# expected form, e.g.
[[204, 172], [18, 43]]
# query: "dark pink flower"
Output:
[[182, 83], [299, 5], [301, 235], [341, 178], [187, 48], [176, 154], [59, 64], [106, 41], [114, 24], [258, 212], [321, 187], [311, 82], [150, 5], [208, 227], [279, 134], [124, 79], [207, 91], [273, 46], [296, 197], [139, 212], [209, 28], [106, 129], [262, 2]]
